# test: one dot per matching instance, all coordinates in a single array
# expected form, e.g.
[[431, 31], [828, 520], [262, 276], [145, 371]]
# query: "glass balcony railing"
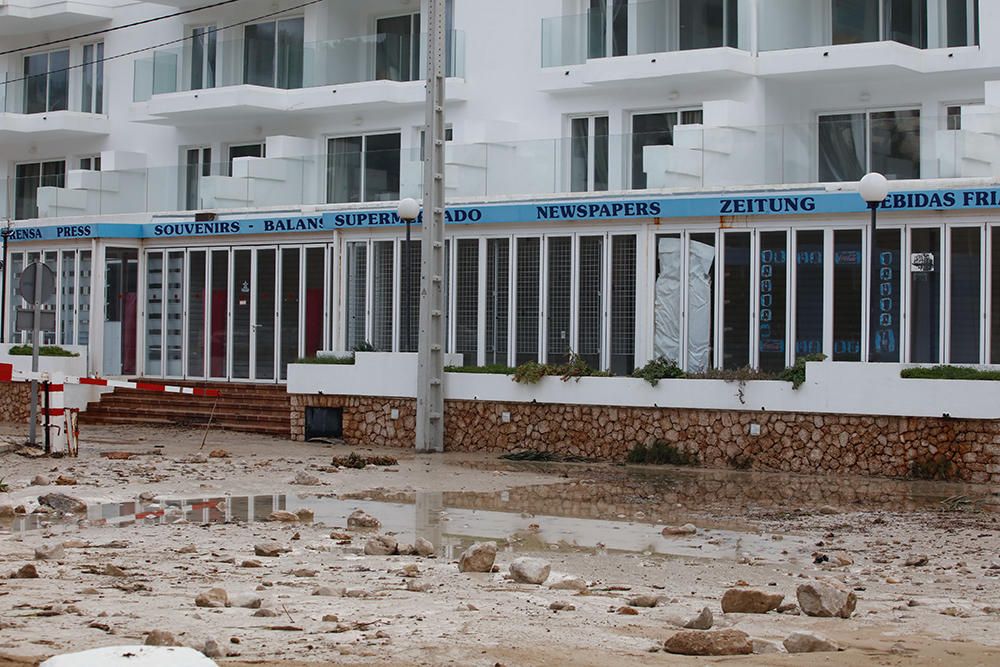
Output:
[[47, 94], [203, 65], [686, 158], [651, 26]]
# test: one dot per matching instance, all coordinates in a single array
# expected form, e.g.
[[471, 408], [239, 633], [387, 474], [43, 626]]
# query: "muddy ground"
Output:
[[200, 518]]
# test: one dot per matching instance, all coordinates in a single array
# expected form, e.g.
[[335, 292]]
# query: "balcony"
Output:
[[32, 109], [208, 82], [20, 17], [714, 154], [645, 42], [845, 41]]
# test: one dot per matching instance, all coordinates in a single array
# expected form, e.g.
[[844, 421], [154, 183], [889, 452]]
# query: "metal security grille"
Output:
[[382, 289], [560, 285], [355, 290], [409, 299], [67, 299], [529, 257], [467, 300], [623, 304], [591, 299], [173, 327], [197, 314], [497, 300], [154, 313]]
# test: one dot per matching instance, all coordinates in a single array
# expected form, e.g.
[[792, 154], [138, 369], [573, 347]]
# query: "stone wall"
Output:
[[15, 401], [966, 449]]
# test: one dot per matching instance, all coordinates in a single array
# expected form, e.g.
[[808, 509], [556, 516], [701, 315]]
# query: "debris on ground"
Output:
[[357, 461]]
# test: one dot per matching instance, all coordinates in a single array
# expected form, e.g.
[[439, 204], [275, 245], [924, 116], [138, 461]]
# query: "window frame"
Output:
[[631, 115], [868, 112], [363, 180]]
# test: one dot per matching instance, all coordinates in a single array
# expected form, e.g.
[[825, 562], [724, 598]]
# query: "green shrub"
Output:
[[575, 368], [341, 361], [660, 453], [530, 372], [797, 374], [494, 369], [364, 346], [658, 369], [949, 373], [43, 351]]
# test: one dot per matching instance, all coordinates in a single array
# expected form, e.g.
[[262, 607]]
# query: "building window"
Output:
[[397, 48], [706, 24], [623, 278], [962, 22], [363, 168], [590, 299], [589, 154], [355, 293], [242, 150], [700, 302], [857, 21], [497, 300], [46, 85], [93, 78], [848, 265], [607, 23], [273, 53], [197, 163], [559, 286], [467, 301], [28, 178], [197, 312], [409, 298], [90, 163], [203, 49], [809, 290], [925, 295], [953, 118], [850, 145], [965, 292], [885, 328], [528, 302], [449, 135], [772, 314], [736, 301], [994, 277], [655, 129], [383, 290]]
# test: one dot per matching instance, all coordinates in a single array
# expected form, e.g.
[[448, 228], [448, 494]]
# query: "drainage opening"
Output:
[[324, 423]]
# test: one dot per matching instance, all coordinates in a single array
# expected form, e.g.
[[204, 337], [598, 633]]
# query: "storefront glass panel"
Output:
[[773, 300], [848, 265], [925, 295], [965, 295], [736, 302]]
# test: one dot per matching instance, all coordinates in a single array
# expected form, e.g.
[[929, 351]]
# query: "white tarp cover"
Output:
[[667, 314], [132, 656]]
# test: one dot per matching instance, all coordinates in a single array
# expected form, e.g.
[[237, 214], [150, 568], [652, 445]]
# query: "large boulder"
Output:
[[826, 599], [50, 552], [478, 558], [530, 570], [63, 503], [710, 642], [362, 519], [214, 597], [380, 545], [807, 642], [703, 621], [424, 547], [750, 601]]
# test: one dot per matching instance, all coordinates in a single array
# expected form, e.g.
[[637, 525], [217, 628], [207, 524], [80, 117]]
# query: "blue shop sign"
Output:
[[806, 203]]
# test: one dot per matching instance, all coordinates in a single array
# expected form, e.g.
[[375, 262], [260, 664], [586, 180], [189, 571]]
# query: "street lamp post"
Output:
[[873, 188], [409, 210], [6, 232]]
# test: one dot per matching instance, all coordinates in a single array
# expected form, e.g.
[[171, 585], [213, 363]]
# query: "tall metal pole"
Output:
[[36, 331], [404, 346], [873, 288], [6, 232], [430, 346]]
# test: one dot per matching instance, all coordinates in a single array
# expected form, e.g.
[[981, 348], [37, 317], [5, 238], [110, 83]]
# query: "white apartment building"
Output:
[[627, 179]]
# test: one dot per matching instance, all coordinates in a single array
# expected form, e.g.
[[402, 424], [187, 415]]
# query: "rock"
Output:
[[265, 613], [251, 563], [269, 549], [917, 561], [828, 509], [246, 601], [703, 621], [326, 591], [380, 545], [161, 638], [415, 586], [404, 549], [26, 572], [341, 537], [530, 570], [50, 552], [40, 480], [63, 503], [213, 598], [63, 480], [645, 601], [305, 515], [673, 531], [478, 558], [188, 549], [283, 516], [306, 479], [627, 611], [195, 458], [568, 582], [303, 572], [6, 511], [562, 606], [789, 608], [212, 648], [764, 647], [841, 559], [710, 642], [818, 598], [750, 601], [424, 548], [362, 519], [147, 496], [807, 642], [114, 571], [218, 454]]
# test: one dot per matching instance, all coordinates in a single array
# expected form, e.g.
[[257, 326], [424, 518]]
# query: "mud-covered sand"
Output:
[[599, 522]]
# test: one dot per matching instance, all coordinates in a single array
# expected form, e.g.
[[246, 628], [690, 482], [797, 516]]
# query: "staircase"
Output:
[[251, 408]]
